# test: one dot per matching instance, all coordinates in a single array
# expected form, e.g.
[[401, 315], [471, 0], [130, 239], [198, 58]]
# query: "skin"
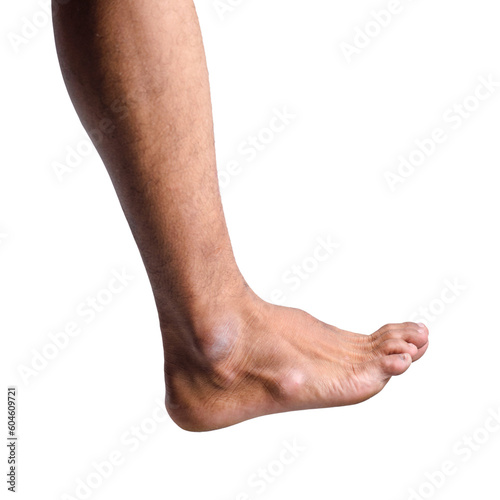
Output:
[[136, 69]]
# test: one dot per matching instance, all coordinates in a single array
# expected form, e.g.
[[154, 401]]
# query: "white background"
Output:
[[322, 176]]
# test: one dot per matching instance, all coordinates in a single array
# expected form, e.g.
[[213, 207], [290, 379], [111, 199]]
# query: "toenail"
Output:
[[421, 325]]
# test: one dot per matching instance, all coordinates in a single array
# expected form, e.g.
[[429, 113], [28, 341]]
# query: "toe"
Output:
[[419, 337], [398, 346], [387, 366], [409, 332], [395, 364], [394, 327], [421, 352]]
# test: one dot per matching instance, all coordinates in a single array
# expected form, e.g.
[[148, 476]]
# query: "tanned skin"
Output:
[[229, 355]]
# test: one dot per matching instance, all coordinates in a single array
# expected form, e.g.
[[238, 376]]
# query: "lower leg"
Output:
[[229, 356]]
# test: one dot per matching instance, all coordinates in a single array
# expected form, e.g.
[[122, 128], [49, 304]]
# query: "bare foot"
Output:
[[257, 358], [229, 356]]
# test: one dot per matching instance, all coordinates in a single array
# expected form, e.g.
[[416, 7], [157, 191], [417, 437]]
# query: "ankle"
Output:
[[206, 327], [204, 354]]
